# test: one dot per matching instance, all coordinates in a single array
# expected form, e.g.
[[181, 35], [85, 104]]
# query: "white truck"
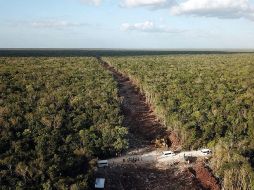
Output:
[[206, 152], [102, 163], [166, 154]]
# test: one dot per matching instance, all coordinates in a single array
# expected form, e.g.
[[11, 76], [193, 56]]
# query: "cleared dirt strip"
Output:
[[144, 129]]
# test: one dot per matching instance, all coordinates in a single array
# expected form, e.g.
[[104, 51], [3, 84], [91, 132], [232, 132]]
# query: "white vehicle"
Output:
[[102, 163], [99, 183], [206, 151], [166, 154]]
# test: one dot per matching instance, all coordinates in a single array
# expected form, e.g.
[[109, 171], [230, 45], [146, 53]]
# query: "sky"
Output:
[[162, 24]]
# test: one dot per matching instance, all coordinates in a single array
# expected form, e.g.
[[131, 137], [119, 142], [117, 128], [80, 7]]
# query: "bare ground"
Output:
[[144, 128], [140, 178]]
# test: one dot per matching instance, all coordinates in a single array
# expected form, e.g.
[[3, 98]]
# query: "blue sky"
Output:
[[127, 24]]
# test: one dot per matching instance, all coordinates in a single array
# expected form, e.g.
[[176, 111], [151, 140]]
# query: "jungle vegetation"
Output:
[[56, 116], [208, 100]]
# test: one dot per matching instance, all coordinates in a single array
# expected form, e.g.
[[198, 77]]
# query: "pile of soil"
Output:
[[204, 175], [175, 141]]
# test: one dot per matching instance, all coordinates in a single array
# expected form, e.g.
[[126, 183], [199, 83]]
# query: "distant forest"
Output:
[[109, 52]]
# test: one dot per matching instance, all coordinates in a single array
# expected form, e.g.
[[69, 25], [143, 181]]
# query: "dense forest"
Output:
[[208, 100], [57, 115]]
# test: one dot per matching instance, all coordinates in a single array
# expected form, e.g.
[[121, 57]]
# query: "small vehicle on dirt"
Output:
[[206, 152], [102, 163], [166, 154]]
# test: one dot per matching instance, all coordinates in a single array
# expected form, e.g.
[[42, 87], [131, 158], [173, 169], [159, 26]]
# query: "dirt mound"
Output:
[[175, 141], [204, 175]]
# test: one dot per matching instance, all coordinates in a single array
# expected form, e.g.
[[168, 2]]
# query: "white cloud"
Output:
[[94, 2], [149, 27], [56, 24], [147, 3], [215, 8], [231, 9]]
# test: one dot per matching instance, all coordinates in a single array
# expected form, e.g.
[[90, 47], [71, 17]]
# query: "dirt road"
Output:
[[156, 157], [144, 129]]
